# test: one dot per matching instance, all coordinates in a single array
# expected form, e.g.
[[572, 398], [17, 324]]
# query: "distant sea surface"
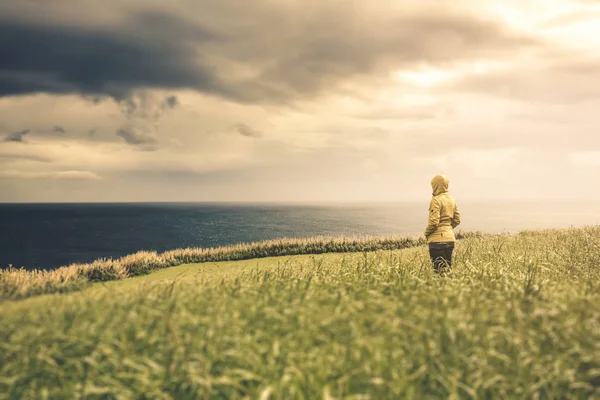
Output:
[[47, 236]]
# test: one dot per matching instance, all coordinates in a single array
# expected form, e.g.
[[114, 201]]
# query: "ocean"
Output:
[[46, 236]]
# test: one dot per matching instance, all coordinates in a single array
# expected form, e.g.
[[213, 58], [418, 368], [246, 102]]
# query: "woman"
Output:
[[443, 218]]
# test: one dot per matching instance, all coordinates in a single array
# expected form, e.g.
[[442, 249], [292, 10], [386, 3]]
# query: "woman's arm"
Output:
[[456, 217], [434, 217]]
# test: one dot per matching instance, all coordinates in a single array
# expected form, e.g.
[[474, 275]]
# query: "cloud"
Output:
[[248, 131], [62, 59], [29, 157], [55, 175], [171, 102], [134, 138], [338, 95], [560, 82], [406, 113], [573, 18], [585, 158], [142, 111], [145, 105], [371, 167], [58, 129], [229, 52], [17, 136]]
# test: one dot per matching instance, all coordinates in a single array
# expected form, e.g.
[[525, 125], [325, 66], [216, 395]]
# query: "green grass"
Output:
[[518, 318], [20, 283]]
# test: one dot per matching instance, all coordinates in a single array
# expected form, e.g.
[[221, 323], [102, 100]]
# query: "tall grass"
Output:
[[20, 283], [519, 318]]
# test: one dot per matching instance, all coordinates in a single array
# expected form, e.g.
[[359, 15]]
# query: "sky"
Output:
[[298, 100]]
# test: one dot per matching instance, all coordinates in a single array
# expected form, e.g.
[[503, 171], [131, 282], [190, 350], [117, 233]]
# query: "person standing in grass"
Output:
[[443, 218]]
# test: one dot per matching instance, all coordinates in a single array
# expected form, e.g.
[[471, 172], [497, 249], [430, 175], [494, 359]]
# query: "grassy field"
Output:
[[518, 318], [18, 283]]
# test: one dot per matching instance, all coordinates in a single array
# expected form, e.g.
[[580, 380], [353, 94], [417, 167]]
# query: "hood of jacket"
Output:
[[439, 184]]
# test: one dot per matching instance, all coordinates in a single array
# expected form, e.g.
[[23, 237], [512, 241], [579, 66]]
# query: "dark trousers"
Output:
[[441, 256]]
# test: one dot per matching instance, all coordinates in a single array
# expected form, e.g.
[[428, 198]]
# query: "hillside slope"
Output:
[[519, 318]]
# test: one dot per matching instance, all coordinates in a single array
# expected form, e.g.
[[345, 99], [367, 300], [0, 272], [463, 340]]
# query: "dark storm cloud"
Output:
[[57, 59], [264, 52], [17, 136], [58, 129], [248, 131]]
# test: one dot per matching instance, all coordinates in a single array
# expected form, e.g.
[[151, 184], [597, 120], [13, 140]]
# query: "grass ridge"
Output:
[[19, 283]]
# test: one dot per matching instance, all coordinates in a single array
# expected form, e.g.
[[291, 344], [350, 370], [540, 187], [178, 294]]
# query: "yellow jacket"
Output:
[[443, 212]]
